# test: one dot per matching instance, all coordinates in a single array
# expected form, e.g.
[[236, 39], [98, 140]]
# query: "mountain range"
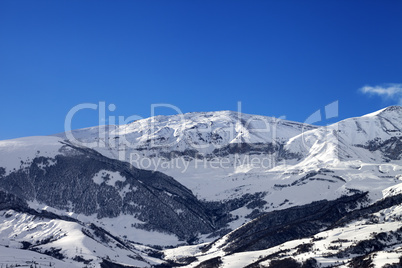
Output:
[[211, 189]]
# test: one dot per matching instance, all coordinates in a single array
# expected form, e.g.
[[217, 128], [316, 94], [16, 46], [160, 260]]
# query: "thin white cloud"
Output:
[[387, 91]]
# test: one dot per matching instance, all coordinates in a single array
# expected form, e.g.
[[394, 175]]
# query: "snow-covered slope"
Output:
[[222, 156], [77, 181], [201, 133], [373, 138], [28, 239], [224, 170], [337, 235]]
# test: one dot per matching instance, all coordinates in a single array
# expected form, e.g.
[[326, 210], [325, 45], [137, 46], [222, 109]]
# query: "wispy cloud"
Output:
[[386, 91]]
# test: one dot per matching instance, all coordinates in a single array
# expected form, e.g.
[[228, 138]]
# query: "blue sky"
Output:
[[279, 58]]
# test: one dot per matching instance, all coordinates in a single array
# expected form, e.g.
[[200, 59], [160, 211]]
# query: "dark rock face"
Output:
[[275, 149], [391, 148], [67, 182], [256, 148]]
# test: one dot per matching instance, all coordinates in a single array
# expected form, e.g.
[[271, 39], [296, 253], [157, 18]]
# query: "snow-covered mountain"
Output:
[[188, 134], [224, 155], [193, 178], [372, 138], [81, 181]]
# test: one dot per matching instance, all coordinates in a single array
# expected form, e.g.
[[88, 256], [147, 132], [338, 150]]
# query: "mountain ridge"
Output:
[[199, 176]]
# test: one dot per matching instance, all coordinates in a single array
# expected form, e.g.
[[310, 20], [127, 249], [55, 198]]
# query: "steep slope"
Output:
[[29, 237], [80, 181], [342, 233], [373, 138], [189, 134], [224, 156], [282, 180]]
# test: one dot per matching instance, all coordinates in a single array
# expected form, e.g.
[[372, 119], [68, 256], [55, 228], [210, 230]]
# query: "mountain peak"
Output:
[[385, 111], [393, 108]]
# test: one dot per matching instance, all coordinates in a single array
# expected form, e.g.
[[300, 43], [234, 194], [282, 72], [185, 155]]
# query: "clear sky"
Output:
[[279, 58]]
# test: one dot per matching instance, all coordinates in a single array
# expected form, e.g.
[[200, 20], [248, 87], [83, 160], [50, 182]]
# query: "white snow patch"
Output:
[[109, 177]]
